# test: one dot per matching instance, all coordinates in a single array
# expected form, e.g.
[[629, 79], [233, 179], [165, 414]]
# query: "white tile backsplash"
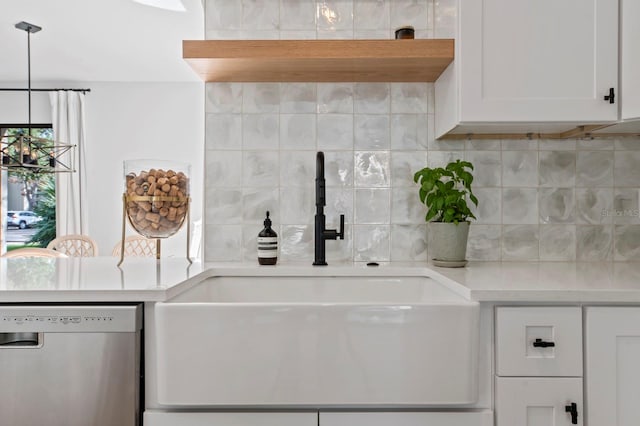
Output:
[[519, 168], [557, 168], [298, 131], [539, 200], [594, 206], [371, 132], [409, 243], [372, 206], [410, 98], [520, 242], [297, 98], [334, 15], [556, 205], [519, 206], [372, 169], [371, 98], [408, 132], [558, 242], [335, 131], [371, 243], [594, 168], [297, 14], [371, 15], [594, 242], [260, 131], [410, 12]]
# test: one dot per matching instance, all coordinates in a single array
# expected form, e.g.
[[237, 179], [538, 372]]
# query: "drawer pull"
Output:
[[539, 343], [573, 409]]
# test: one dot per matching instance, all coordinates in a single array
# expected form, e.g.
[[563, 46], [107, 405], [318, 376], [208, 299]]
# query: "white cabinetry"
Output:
[[630, 59], [470, 418], [158, 418], [538, 366], [538, 401], [612, 359], [522, 62], [477, 418]]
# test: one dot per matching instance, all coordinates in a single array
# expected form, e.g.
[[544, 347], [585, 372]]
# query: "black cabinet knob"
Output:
[[573, 410], [611, 96], [539, 343]]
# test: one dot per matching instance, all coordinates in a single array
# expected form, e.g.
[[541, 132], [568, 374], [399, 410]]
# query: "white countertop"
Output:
[[98, 279], [579, 282]]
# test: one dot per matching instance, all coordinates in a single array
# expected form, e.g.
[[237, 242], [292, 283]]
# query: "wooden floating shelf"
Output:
[[421, 60]]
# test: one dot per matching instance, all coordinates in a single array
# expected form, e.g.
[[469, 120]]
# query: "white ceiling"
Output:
[[97, 40]]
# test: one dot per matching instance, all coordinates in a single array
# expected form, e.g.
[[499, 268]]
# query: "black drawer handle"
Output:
[[539, 343], [573, 409]]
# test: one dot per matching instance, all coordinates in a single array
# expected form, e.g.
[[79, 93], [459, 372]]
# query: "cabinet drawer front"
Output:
[[160, 418], [539, 341], [538, 401], [477, 418]]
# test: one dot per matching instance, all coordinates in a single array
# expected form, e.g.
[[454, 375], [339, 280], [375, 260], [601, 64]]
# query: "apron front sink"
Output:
[[340, 340]]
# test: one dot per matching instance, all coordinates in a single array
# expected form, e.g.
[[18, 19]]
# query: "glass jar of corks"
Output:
[[156, 197]]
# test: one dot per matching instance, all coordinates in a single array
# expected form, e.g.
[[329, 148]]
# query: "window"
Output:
[[30, 193]]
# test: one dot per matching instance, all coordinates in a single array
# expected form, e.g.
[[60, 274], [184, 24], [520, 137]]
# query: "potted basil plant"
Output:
[[445, 192]]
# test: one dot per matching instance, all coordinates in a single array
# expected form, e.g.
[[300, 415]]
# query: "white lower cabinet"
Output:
[[612, 360], [476, 418], [538, 366], [539, 401], [158, 418], [470, 418]]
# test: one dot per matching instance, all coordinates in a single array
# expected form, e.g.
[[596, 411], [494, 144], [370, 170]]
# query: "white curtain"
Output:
[[67, 108]]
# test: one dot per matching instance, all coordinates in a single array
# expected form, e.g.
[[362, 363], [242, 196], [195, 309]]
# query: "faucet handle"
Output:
[[341, 232]]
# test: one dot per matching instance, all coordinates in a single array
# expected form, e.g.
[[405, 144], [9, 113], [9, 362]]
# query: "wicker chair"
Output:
[[75, 245], [136, 246], [33, 252]]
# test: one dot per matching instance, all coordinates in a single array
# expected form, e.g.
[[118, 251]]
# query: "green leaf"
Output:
[[422, 194]]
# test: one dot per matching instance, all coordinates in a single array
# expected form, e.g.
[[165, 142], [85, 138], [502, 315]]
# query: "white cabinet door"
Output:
[[538, 60], [630, 59], [612, 374], [476, 418], [538, 401], [158, 418]]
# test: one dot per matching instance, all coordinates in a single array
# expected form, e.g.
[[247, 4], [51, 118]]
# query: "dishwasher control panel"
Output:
[[55, 319], [69, 318]]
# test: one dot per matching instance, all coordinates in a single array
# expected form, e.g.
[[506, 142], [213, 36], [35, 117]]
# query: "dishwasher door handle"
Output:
[[21, 340]]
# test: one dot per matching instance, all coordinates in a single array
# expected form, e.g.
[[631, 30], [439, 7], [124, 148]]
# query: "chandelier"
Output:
[[25, 152]]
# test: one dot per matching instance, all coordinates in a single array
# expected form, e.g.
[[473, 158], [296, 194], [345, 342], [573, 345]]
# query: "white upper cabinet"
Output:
[[527, 65], [630, 59]]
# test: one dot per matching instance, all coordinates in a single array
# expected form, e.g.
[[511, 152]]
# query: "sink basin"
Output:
[[317, 341]]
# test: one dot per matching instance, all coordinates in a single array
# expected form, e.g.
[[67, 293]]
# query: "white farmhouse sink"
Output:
[[317, 341]]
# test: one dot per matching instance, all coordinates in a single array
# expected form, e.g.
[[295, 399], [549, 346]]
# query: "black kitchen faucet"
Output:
[[321, 233]]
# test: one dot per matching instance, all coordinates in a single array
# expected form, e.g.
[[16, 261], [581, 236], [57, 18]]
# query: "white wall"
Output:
[[138, 121], [129, 121], [14, 106]]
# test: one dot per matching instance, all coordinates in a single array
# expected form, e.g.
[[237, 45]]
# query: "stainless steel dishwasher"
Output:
[[70, 365]]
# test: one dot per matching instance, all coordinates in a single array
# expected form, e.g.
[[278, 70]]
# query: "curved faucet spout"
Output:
[[320, 183], [320, 165]]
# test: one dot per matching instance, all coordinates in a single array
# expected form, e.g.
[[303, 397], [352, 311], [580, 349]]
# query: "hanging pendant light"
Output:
[[26, 152]]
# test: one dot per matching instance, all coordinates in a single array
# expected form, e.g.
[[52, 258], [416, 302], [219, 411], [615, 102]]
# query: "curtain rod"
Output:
[[43, 90]]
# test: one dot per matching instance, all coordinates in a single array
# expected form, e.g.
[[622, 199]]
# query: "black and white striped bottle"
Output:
[[267, 244]]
